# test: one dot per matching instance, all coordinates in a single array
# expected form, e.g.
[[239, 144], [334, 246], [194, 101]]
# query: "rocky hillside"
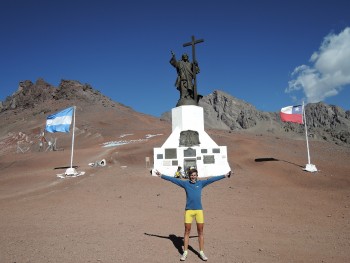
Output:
[[31, 95], [327, 122], [223, 111], [98, 118]]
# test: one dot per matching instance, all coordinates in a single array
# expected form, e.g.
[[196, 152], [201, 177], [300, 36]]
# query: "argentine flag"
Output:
[[60, 121]]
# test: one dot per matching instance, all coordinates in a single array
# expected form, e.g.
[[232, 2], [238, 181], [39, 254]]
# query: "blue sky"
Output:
[[268, 53]]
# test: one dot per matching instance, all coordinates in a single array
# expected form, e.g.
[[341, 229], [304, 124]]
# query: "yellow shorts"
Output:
[[197, 214]]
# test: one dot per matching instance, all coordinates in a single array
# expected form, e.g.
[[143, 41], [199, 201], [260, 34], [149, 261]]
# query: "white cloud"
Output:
[[329, 72]]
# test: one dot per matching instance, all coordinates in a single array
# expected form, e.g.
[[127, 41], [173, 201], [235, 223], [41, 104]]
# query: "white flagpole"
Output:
[[71, 170], [309, 167], [71, 158], [307, 141]]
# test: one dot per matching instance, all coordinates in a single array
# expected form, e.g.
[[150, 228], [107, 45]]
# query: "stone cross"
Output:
[[193, 43]]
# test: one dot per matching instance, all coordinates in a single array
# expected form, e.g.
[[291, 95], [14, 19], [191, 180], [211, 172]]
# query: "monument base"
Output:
[[183, 102], [198, 151], [71, 172], [310, 168]]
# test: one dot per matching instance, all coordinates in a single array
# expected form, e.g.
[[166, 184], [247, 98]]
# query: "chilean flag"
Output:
[[292, 114]]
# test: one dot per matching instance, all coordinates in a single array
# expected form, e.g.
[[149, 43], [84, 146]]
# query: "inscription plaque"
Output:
[[189, 138], [208, 159], [167, 163], [170, 153], [216, 150], [190, 152]]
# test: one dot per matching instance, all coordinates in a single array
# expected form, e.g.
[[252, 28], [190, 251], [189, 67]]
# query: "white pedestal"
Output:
[[310, 168], [209, 158], [71, 172]]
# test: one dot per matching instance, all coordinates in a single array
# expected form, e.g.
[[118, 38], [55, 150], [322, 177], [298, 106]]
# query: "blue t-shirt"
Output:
[[193, 190]]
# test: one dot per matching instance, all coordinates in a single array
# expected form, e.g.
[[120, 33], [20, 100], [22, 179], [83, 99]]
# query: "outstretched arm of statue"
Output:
[[173, 61]]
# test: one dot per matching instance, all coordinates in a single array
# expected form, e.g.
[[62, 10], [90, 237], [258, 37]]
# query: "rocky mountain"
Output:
[[223, 111], [98, 118], [32, 102], [31, 95]]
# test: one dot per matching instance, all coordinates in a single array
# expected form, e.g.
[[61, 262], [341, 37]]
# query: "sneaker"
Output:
[[202, 256], [184, 256]]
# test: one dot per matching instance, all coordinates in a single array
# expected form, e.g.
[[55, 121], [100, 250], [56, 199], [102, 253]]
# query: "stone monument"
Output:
[[189, 145]]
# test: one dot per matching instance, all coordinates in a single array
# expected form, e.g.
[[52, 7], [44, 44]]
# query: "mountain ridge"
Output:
[[98, 119], [221, 111]]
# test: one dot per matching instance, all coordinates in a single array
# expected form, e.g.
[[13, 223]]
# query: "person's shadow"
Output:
[[177, 242]]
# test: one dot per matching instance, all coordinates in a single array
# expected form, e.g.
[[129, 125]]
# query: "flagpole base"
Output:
[[71, 172], [310, 168]]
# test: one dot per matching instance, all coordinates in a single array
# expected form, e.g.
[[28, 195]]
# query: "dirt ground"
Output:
[[269, 211]]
